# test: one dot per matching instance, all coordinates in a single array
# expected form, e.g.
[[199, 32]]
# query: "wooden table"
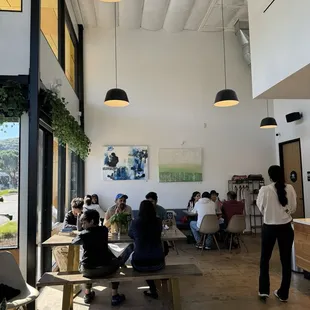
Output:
[[172, 234], [302, 243]]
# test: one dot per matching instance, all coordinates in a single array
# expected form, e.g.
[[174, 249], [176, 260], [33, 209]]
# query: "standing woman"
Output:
[[276, 202], [191, 204]]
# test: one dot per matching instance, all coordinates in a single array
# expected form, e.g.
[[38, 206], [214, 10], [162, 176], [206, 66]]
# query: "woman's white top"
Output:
[[95, 207], [273, 212]]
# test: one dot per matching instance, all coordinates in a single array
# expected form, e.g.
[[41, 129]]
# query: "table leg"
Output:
[[175, 294], [67, 299]]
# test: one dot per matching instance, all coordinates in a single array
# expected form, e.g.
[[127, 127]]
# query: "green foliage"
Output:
[[9, 163], [119, 219], [5, 192], [8, 230], [64, 125], [13, 104]]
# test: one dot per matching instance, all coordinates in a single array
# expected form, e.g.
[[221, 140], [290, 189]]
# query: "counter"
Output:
[[302, 242]]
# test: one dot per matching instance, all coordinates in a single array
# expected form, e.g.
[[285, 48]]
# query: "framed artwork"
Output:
[[125, 163], [180, 165]]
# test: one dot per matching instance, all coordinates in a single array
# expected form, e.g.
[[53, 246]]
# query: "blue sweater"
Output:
[[147, 239]]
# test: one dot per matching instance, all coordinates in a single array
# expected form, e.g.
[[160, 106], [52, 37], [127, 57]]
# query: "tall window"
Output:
[[49, 23], [9, 183], [70, 51], [11, 5]]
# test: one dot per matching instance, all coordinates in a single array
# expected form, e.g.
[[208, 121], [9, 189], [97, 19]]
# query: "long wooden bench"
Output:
[[167, 281]]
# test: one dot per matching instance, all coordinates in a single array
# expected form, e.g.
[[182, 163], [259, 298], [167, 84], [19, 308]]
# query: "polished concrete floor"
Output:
[[229, 283]]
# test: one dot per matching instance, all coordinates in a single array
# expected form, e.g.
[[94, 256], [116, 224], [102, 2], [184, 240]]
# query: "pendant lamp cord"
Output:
[[115, 46], [224, 45], [267, 109]]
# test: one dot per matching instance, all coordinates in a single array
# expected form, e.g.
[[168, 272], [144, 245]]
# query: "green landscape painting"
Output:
[[180, 165]]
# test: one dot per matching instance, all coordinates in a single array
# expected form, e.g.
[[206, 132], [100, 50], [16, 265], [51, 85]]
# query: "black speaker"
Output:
[[295, 116]]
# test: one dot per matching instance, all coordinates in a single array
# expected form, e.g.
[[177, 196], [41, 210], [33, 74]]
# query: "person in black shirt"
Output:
[[72, 216], [97, 259], [148, 252]]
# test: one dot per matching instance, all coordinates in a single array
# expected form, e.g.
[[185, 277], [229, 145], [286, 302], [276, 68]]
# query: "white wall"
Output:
[[294, 130], [51, 71], [171, 81], [15, 41], [278, 44]]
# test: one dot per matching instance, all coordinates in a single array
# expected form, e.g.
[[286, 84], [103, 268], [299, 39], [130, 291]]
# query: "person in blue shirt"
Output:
[[148, 252]]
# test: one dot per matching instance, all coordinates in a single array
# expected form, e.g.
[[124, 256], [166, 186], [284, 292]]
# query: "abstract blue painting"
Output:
[[125, 163]]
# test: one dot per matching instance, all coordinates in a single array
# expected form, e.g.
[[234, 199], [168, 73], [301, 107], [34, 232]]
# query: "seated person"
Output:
[[71, 217], [97, 260], [203, 207], [120, 206], [148, 252], [231, 207], [88, 205], [215, 198], [191, 204], [94, 199], [160, 211]]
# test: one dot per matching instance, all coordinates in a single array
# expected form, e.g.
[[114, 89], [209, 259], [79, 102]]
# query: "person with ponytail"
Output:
[[276, 202]]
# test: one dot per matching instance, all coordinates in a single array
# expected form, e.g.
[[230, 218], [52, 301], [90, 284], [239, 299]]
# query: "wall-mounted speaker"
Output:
[[295, 116]]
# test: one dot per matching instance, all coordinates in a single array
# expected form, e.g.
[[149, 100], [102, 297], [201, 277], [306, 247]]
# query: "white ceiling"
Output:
[[154, 15]]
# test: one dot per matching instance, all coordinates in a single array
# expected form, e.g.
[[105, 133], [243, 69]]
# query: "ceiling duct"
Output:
[[243, 34]]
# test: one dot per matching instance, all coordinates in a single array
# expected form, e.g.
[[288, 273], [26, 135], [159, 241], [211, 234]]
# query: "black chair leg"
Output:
[[230, 245]]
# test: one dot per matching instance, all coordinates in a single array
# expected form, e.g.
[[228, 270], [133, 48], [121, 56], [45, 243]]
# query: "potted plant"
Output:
[[119, 223]]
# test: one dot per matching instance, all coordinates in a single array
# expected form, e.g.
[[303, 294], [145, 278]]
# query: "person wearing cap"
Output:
[[119, 207], [160, 211], [215, 198]]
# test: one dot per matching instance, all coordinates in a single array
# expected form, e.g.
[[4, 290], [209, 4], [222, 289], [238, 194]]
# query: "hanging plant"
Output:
[[13, 103], [65, 126]]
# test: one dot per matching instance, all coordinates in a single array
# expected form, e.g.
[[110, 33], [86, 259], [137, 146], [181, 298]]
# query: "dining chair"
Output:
[[12, 276], [235, 228], [209, 226]]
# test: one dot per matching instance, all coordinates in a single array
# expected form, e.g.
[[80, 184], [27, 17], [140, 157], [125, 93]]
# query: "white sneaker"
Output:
[[207, 248], [276, 294], [263, 295]]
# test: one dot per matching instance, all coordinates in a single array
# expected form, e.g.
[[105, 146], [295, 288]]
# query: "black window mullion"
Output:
[[61, 182], [61, 33]]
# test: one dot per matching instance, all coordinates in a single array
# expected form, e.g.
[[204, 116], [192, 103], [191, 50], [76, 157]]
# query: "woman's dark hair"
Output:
[[276, 175], [87, 200], [151, 195], [148, 220], [91, 215], [192, 200], [95, 196], [232, 195], [147, 212]]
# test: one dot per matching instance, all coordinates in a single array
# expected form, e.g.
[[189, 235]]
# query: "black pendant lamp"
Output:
[[225, 97], [268, 122], [116, 97]]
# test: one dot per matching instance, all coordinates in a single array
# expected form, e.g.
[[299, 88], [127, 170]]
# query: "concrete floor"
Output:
[[229, 283]]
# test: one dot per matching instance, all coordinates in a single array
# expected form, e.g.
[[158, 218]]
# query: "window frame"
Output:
[[68, 22], [8, 248], [14, 11]]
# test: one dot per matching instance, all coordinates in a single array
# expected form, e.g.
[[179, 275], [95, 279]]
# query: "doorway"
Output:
[[290, 160]]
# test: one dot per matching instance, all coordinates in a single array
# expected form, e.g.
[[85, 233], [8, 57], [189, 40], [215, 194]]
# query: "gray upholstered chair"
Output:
[[12, 276], [235, 228], [209, 226]]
